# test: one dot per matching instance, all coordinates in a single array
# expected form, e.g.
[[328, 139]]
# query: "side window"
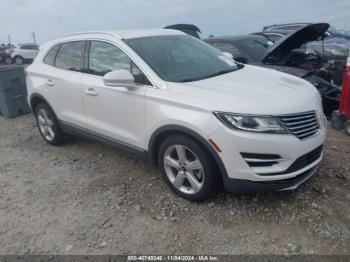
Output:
[[32, 47], [51, 55], [70, 56], [105, 57]]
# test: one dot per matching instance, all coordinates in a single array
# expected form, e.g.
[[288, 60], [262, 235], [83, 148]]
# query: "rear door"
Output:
[[116, 113], [63, 81]]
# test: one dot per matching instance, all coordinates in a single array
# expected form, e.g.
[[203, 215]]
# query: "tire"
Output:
[[337, 121], [347, 128], [188, 168], [8, 60], [48, 125], [19, 60]]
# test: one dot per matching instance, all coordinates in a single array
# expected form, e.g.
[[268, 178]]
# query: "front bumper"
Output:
[[242, 177], [241, 186]]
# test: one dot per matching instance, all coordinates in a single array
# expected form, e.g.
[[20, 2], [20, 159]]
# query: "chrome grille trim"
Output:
[[297, 118], [302, 125], [307, 129], [297, 123]]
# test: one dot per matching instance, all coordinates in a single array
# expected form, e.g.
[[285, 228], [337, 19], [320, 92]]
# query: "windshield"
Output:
[[181, 58], [255, 47], [333, 31]]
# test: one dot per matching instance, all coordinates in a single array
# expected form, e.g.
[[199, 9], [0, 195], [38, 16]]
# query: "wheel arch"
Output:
[[36, 99], [18, 56], [163, 132]]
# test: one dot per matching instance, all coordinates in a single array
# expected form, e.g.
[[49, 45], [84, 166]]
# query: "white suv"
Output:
[[23, 52], [202, 118]]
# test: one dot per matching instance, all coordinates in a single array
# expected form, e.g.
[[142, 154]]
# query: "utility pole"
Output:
[[9, 39], [33, 34]]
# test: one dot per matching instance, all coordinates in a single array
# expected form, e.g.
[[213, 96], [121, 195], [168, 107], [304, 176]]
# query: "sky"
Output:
[[53, 18]]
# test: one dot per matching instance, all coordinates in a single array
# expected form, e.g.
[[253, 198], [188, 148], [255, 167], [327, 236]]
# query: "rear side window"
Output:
[[70, 56], [51, 55]]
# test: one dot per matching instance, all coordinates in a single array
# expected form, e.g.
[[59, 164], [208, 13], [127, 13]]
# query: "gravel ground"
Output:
[[88, 198]]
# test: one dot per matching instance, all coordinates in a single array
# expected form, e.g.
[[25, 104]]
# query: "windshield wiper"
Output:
[[222, 72]]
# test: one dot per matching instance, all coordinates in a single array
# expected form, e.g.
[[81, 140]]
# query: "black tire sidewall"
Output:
[[211, 174], [20, 58], [347, 128], [59, 136]]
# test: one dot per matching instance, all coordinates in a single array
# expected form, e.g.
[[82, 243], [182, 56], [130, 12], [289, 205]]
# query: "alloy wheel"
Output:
[[46, 124], [183, 169]]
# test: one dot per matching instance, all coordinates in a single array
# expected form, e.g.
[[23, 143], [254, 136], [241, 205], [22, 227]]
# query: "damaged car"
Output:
[[331, 33], [334, 52], [285, 55]]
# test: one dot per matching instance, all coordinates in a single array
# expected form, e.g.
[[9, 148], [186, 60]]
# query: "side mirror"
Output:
[[120, 77], [227, 54]]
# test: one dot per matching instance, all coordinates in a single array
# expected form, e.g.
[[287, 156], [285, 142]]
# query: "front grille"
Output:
[[300, 163], [303, 125]]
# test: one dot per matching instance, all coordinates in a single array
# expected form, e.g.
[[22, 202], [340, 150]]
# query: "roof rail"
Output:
[[88, 32]]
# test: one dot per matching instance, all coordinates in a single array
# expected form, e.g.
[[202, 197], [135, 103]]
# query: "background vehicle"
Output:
[[24, 53], [203, 119], [329, 34], [4, 54], [187, 29], [283, 56], [333, 52], [274, 35]]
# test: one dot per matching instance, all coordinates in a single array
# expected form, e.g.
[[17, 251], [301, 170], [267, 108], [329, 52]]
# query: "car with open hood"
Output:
[[331, 32], [333, 52], [285, 56]]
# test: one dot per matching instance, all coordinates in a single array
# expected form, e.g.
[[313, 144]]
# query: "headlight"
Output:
[[251, 123]]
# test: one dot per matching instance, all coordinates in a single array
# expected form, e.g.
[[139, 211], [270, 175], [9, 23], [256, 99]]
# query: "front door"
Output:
[[115, 113]]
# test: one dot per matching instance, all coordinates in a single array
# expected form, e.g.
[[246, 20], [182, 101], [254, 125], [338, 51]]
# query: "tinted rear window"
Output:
[[70, 56]]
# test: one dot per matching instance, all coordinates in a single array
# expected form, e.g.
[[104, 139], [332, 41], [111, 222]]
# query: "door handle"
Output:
[[49, 82], [91, 92]]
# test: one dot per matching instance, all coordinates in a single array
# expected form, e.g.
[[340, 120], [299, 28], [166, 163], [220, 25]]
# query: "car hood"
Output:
[[294, 40], [250, 90], [287, 69]]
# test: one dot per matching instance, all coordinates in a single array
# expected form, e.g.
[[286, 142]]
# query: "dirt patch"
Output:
[[88, 198]]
